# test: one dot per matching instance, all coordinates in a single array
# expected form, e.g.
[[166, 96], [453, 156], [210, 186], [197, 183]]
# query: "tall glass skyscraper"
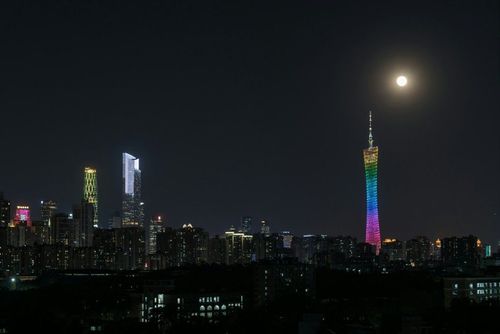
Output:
[[370, 156], [132, 206], [90, 191]]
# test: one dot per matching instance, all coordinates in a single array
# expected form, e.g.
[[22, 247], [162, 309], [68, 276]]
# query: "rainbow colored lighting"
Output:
[[370, 156]]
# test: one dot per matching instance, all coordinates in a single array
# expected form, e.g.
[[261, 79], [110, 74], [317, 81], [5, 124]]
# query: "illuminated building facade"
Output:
[[47, 209], [370, 156], [246, 224], [132, 206], [477, 289], [238, 246], [156, 225], [4, 211], [23, 215], [265, 227], [90, 191], [186, 245]]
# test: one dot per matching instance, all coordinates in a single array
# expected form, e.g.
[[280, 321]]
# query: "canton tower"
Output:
[[370, 157]]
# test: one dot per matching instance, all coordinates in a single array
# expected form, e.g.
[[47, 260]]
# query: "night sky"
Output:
[[260, 109]]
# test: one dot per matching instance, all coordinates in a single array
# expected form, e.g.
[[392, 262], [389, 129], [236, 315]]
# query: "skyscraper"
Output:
[[63, 229], [238, 247], [246, 224], [156, 225], [265, 227], [4, 211], [84, 221], [47, 209], [132, 206], [370, 156], [90, 191]]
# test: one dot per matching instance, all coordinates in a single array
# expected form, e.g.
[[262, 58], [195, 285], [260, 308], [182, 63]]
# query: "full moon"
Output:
[[401, 81]]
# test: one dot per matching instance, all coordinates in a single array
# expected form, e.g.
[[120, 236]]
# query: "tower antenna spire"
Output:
[[370, 135]]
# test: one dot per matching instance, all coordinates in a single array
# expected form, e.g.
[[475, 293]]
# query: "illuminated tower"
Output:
[[370, 156], [90, 191], [132, 206]]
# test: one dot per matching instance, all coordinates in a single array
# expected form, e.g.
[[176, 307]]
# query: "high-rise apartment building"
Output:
[[186, 245], [463, 252], [132, 206], [90, 194], [238, 247]]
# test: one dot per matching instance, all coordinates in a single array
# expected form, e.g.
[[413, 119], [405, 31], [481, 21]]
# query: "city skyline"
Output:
[[234, 112], [250, 167]]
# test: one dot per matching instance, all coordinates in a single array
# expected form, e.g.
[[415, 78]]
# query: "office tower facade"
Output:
[[370, 155], [4, 211], [132, 206], [23, 215], [115, 220], [84, 221], [62, 229], [287, 237], [265, 227], [246, 224], [47, 209], [156, 225], [90, 194]]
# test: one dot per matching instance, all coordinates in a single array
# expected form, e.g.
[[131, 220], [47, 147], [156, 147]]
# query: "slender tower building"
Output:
[[90, 191], [132, 205], [370, 156]]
